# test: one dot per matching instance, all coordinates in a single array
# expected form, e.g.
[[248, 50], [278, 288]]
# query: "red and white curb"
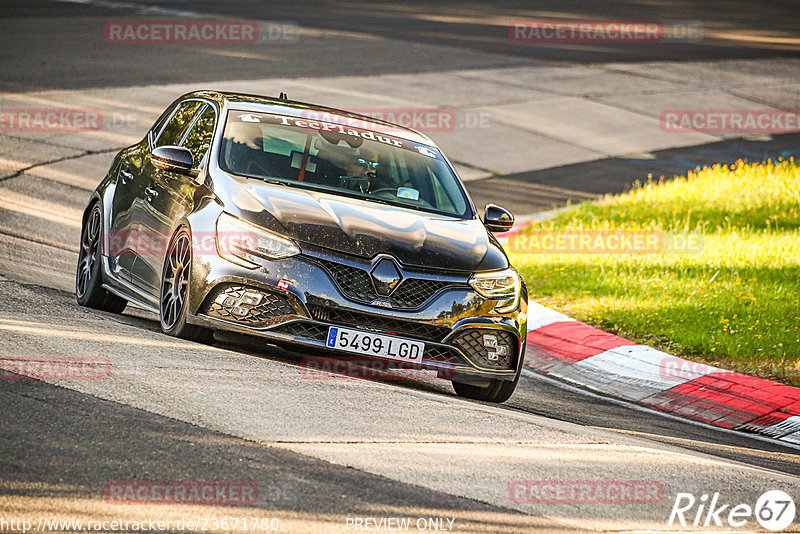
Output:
[[570, 350]]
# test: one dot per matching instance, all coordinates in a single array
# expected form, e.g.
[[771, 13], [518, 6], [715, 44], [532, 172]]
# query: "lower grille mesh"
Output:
[[305, 330], [319, 332], [246, 305], [490, 349], [386, 324]]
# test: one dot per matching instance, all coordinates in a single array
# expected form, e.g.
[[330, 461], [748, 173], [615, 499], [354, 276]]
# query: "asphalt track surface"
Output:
[[171, 417], [60, 44]]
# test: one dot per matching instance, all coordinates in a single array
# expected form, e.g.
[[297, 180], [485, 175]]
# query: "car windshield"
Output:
[[341, 159]]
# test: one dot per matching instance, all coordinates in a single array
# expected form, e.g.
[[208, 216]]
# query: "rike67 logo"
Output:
[[774, 510]]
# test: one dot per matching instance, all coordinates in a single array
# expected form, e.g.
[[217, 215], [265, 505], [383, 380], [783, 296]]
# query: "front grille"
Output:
[[246, 305], [305, 330], [490, 349], [414, 292], [385, 324], [356, 284], [437, 354]]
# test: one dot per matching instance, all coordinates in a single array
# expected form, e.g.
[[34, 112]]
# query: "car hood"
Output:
[[365, 229]]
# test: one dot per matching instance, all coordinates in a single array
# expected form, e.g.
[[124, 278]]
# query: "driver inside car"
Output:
[[334, 161], [346, 167]]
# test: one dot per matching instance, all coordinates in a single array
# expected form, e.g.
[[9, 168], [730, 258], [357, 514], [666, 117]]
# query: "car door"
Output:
[[172, 195], [128, 200], [151, 242]]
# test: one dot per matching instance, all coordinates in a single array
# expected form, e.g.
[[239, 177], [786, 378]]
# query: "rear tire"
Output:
[[174, 294], [89, 290]]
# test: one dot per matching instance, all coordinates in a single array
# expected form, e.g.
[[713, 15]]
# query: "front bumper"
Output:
[[299, 298]]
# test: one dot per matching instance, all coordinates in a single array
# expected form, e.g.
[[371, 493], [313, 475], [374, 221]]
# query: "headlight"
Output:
[[499, 285], [244, 243]]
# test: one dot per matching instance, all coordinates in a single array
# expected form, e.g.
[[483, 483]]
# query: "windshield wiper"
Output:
[[273, 181]]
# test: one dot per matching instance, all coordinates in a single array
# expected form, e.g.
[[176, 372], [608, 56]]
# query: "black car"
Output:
[[308, 226]]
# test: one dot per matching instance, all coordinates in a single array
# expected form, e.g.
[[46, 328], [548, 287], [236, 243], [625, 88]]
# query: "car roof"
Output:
[[292, 108]]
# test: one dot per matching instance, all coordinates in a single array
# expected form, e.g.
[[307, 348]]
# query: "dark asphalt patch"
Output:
[[618, 174]]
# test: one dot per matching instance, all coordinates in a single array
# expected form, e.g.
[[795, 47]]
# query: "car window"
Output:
[[160, 122], [343, 160], [443, 198], [173, 131], [198, 138]]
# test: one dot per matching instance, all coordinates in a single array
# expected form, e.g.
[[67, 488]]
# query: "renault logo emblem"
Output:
[[385, 277]]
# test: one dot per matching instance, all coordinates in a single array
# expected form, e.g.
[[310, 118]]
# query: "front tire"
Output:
[[174, 294], [497, 390], [89, 290]]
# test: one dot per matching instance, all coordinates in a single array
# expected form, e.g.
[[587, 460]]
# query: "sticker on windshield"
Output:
[[250, 118], [425, 151], [334, 133]]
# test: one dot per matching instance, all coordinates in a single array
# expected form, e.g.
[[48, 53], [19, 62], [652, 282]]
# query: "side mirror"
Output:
[[497, 219], [173, 159]]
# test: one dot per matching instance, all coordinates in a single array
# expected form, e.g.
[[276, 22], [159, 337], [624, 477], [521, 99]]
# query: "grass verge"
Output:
[[732, 299]]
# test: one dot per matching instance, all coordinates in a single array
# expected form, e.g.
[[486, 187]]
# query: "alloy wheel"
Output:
[[176, 280], [90, 241]]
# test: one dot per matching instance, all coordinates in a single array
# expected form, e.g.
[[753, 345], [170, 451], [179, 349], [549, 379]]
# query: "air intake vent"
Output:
[[246, 305], [490, 349], [341, 317]]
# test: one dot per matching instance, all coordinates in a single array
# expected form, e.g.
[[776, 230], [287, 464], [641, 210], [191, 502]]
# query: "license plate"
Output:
[[375, 344]]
